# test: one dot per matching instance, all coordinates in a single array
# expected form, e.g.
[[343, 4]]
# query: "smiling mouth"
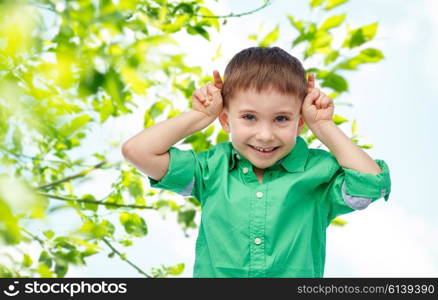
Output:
[[264, 150]]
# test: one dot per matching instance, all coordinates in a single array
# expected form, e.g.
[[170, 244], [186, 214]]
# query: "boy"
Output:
[[266, 198]]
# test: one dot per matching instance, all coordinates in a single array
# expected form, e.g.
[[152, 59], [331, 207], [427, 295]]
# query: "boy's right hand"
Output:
[[208, 99]]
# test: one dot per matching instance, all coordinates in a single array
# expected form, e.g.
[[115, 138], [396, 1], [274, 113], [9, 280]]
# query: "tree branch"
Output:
[[80, 174], [94, 202], [232, 15], [123, 257], [20, 156], [50, 8]]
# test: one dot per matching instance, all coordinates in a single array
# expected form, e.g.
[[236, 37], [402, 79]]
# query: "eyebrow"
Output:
[[277, 113]]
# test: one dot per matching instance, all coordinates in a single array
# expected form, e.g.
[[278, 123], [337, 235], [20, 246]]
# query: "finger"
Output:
[[204, 92], [311, 81], [217, 79], [320, 101], [202, 99], [327, 101], [203, 102], [311, 97], [198, 96], [213, 90]]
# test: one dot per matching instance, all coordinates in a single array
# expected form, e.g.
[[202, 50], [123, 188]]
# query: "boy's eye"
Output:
[[248, 117], [281, 119]]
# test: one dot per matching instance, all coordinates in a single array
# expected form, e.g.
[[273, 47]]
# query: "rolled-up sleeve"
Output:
[[368, 185], [180, 177], [350, 190]]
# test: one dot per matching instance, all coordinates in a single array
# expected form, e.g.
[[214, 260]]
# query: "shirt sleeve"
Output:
[[180, 177], [350, 190]]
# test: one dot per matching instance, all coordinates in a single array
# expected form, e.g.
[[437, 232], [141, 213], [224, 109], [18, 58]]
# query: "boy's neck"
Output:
[[259, 174]]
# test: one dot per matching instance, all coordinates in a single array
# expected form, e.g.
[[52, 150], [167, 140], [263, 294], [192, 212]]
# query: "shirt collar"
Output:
[[294, 161]]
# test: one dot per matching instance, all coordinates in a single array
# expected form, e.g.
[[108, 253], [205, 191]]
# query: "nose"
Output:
[[264, 133]]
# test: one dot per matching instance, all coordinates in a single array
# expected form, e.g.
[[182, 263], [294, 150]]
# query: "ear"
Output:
[[224, 120], [300, 125]]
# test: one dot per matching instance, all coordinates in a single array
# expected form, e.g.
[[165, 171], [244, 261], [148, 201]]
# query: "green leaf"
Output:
[[212, 21], [315, 3], [90, 82], [222, 137], [176, 25], [186, 218], [320, 44], [125, 242], [27, 261], [74, 125], [330, 4], [176, 270], [194, 201], [9, 227], [333, 22], [133, 183], [298, 25], [133, 224], [45, 259], [209, 131], [194, 30], [105, 109], [360, 36], [336, 82], [44, 271], [338, 222], [61, 269], [115, 198], [371, 55], [164, 204], [135, 188], [158, 108], [354, 128], [97, 231], [339, 120], [49, 234], [89, 206], [173, 113], [17, 139], [270, 38], [114, 87], [331, 57]]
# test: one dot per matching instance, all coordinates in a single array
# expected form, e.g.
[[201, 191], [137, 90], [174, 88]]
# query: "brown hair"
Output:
[[264, 68]]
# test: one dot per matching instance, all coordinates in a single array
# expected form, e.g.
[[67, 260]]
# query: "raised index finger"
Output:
[[311, 81], [217, 79]]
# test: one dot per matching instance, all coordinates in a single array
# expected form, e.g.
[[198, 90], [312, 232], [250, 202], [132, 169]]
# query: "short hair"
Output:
[[264, 68]]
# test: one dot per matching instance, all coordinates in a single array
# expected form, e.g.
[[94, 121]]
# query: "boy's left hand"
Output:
[[317, 107]]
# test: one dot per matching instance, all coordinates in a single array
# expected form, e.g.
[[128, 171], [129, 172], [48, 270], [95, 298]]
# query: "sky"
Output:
[[395, 104]]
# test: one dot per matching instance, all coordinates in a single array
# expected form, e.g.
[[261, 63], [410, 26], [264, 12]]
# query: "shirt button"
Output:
[[259, 194], [245, 170], [238, 156], [257, 241]]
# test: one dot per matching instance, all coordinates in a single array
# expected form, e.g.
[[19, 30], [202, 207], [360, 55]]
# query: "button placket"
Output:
[[257, 232]]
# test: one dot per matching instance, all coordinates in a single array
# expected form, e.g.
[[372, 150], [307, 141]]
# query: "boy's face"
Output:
[[265, 120]]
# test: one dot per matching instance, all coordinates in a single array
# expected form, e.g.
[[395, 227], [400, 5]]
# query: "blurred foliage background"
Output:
[[67, 67]]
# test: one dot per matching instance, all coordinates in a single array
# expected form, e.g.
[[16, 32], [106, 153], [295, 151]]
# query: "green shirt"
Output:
[[274, 229]]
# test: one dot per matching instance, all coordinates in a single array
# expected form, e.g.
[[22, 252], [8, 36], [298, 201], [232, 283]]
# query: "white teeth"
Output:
[[264, 149]]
